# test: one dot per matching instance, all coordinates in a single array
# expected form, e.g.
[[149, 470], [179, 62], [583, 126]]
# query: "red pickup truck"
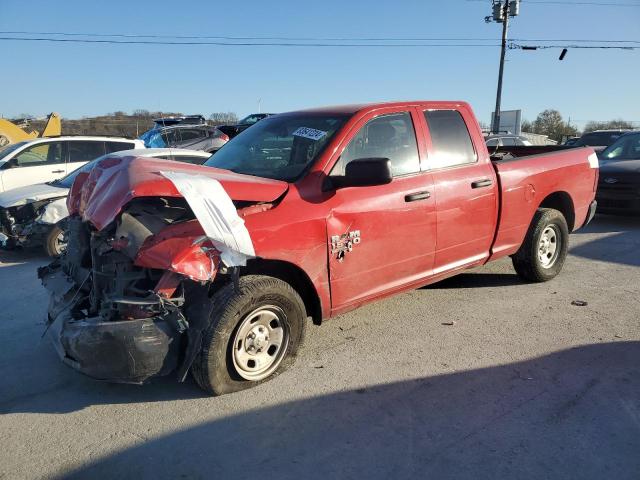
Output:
[[216, 269]]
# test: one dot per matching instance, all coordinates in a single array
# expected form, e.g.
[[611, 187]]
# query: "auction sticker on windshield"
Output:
[[310, 133]]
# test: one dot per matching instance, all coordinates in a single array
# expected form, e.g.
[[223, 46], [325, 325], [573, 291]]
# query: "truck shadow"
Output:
[[569, 414], [477, 280]]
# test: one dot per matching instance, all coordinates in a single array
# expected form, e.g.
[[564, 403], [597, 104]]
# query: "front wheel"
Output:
[[543, 252], [253, 335], [56, 242]]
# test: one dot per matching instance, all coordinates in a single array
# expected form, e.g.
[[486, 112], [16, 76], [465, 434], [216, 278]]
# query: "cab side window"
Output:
[[450, 139], [84, 151], [40, 154], [387, 136]]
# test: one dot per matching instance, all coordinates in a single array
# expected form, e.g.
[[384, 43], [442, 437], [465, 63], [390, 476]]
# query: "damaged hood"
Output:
[[99, 195], [30, 194]]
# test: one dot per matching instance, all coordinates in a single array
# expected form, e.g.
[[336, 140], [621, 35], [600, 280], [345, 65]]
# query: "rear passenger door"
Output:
[[381, 238], [83, 151], [465, 190]]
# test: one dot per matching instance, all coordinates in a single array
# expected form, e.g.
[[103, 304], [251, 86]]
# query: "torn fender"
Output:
[[217, 215], [100, 195], [181, 248]]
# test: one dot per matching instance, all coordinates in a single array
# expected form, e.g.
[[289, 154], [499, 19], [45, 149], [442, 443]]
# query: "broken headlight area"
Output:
[[20, 226], [111, 318]]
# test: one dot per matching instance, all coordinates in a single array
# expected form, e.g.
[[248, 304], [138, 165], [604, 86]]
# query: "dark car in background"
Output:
[[619, 182], [193, 137], [599, 139], [243, 124]]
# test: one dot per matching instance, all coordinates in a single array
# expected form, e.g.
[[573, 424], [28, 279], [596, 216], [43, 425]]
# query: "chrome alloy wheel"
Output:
[[260, 343], [549, 246], [60, 242]]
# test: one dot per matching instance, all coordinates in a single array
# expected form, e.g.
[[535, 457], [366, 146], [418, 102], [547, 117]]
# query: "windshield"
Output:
[[251, 119], [625, 148], [8, 149], [281, 147]]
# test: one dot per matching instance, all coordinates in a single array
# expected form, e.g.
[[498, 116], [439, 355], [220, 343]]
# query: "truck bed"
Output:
[[549, 176]]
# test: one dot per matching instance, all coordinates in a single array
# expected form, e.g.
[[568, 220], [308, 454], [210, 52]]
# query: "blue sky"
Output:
[[88, 79]]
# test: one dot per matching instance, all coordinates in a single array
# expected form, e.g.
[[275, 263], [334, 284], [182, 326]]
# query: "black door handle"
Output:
[[414, 197], [481, 183]]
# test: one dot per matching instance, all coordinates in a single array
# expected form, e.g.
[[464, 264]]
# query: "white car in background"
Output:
[[46, 159], [30, 215]]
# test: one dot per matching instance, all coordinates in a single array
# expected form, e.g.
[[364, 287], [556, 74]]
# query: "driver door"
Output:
[[39, 163], [381, 238]]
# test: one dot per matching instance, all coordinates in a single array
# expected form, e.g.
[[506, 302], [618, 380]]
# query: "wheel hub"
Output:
[[260, 343], [548, 247], [257, 340]]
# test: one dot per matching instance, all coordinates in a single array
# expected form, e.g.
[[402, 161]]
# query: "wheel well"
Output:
[[294, 276], [562, 202]]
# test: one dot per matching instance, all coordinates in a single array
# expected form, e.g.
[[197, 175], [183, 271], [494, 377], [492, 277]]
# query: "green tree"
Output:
[[550, 123]]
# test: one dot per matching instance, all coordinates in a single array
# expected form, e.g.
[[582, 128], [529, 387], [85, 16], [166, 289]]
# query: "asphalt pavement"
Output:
[[479, 376]]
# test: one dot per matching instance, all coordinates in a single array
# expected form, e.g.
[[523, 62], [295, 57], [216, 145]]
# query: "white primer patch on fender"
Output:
[[593, 161], [217, 214]]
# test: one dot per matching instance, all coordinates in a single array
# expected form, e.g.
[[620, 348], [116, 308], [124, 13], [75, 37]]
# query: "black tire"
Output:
[[527, 261], [214, 369], [52, 245]]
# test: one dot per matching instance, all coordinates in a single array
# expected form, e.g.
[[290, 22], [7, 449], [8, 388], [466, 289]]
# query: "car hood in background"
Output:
[[30, 194], [621, 167], [98, 196]]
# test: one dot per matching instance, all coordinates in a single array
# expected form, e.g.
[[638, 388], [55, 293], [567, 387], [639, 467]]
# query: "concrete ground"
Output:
[[522, 385]]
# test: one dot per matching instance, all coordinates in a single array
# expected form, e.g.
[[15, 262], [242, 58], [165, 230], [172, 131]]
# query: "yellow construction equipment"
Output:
[[11, 133]]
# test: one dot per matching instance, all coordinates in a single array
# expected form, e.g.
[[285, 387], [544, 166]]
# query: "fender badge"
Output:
[[610, 180]]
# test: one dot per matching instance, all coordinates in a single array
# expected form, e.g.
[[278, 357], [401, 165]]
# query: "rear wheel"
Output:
[[543, 252], [254, 334], [56, 242]]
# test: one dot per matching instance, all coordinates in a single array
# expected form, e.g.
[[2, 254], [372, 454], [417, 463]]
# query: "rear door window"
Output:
[[85, 151], [192, 134], [450, 139], [40, 154], [389, 136], [119, 146]]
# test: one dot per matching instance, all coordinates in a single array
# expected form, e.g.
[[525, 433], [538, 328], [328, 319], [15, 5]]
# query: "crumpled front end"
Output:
[[147, 240], [118, 314], [26, 225]]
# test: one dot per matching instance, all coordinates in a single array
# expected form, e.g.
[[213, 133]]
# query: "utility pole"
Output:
[[501, 13]]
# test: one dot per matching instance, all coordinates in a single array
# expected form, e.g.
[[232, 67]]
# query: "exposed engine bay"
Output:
[[107, 313]]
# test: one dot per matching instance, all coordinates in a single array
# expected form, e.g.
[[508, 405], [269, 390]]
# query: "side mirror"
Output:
[[364, 172]]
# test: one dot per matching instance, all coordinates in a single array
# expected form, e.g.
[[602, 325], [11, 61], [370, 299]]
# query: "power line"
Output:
[[306, 39], [513, 46], [315, 45], [244, 44], [559, 2]]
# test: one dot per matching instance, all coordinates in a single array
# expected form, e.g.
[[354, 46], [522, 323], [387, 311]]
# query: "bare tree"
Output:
[[223, 118], [610, 125]]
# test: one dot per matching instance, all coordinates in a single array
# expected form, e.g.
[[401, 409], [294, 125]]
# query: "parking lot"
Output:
[[480, 376]]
